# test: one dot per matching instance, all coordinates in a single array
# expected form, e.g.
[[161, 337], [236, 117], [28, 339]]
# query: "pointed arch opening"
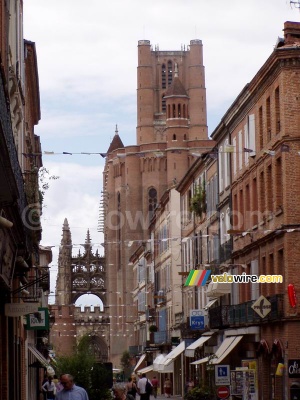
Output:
[[152, 201]]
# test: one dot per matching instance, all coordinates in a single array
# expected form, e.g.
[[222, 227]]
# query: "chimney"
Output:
[[291, 32]]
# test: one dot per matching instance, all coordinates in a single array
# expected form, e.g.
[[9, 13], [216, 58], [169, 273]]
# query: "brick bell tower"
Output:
[[171, 125]]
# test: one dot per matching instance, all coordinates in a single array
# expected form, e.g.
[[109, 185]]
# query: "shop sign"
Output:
[[38, 320], [151, 348], [294, 368], [19, 309], [198, 319], [262, 306]]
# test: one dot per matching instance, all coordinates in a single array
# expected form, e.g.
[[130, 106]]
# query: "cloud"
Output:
[[75, 196], [87, 62]]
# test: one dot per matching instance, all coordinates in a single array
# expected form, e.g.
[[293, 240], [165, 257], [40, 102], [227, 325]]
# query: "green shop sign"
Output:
[[38, 320]]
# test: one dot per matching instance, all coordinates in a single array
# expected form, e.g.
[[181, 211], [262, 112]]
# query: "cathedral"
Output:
[[171, 127]]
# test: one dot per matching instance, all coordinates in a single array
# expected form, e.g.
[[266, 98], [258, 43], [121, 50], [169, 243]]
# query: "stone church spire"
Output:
[[63, 281], [88, 245]]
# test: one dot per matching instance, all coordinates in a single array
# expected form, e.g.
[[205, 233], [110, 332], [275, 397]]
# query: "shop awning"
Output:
[[39, 356], [190, 350], [142, 358], [218, 289], [159, 365], [174, 353], [226, 347], [210, 303], [146, 369], [166, 368]]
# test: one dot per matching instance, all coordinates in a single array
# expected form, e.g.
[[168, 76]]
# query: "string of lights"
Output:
[[183, 240], [228, 148]]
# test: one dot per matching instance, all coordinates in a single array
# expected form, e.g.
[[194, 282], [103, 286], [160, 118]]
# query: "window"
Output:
[[260, 125], [262, 192], [279, 196], [235, 298], [163, 76], [141, 273], [163, 238], [222, 229], [254, 209], [163, 104], [268, 116], [251, 134], [221, 169], [254, 286], [277, 110], [240, 150], [152, 202], [173, 111], [142, 301], [269, 189], [234, 157], [170, 73], [226, 167]]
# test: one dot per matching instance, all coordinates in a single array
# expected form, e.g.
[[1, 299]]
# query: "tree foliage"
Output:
[[87, 373], [126, 363]]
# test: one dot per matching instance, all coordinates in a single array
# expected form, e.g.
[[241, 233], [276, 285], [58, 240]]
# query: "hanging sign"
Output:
[[294, 368], [19, 309], [38, 320], [262, 306], [292, 295]]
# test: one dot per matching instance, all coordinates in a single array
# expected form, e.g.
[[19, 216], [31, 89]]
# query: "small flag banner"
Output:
[[197, 277]]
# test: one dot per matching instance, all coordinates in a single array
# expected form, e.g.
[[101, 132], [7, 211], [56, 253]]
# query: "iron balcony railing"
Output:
[[243, 314]]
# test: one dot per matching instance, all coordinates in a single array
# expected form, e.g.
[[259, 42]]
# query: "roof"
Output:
[[176, 89], [115, 144]]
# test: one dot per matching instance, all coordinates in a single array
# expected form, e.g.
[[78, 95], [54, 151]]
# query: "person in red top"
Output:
[[155, 385]]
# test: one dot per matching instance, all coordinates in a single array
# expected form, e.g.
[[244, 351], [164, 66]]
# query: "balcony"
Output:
[[150, 314], [162, 337], [242, 314]]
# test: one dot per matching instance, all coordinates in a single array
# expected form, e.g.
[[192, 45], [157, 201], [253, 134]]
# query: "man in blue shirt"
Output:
[[70, 391]]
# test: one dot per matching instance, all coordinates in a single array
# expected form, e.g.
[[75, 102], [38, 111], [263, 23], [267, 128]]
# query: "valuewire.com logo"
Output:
[[199, 278]]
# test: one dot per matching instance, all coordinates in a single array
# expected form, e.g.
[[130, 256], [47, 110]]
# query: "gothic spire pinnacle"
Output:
[[66, 233]]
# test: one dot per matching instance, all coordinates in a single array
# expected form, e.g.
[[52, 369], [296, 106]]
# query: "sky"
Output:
[[87, 63]]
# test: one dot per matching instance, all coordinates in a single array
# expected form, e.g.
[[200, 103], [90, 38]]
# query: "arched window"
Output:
[[170, 72], [163, 76], [152, 201], [163, 104], [119, 201], [179, 110], [169, 111], [173, 111], [174, 137], [183, 111]]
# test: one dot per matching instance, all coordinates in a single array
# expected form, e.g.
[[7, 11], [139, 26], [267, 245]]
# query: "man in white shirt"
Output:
[[141, 386]]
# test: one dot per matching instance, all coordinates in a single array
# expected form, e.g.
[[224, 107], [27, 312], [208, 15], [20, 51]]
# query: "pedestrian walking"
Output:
[[131, 387], [168, 387], [120, 392], [155, 385], [142, 390], [71, 391]]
